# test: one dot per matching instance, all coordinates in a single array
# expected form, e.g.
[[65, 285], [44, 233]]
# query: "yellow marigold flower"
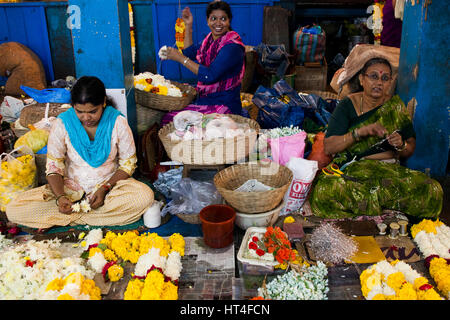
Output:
[[65, 296], [115, 273], [429, 294], [133, 290], [75, 278], [379, 296], [289, 219], [170, 291], [109, 255], [406, 292], [418, 282], [94, 250], [395, 280], [89, 288], [56, 285]]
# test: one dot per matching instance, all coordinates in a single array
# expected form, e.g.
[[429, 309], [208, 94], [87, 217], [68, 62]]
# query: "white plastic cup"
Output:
[[152, 217]]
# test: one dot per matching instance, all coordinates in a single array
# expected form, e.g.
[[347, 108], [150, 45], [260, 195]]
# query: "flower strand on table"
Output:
[[309, 284], [433, 240], [395, 281]]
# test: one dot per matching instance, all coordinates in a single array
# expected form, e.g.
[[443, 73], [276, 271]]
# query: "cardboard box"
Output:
[[311, 77]]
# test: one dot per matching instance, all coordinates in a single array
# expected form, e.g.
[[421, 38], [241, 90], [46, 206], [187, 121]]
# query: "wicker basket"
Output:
[[214, 152], [270, 173], [193, 218], [146, 117], [323, 94], [166, 103]]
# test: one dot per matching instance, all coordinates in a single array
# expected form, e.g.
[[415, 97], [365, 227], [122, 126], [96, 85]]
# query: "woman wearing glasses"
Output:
[[361, 120]]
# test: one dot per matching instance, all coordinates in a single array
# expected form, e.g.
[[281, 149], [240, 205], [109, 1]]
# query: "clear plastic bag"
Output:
[[190, 196], [17, 174]]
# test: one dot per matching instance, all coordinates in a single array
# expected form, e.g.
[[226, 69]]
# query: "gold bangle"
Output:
[[58, 197], [185, 61], [403, 148]]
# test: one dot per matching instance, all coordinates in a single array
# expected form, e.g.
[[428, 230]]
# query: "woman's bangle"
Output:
[[403, 147], [185, 61], [107, 186], [58, 197], [355, 135]]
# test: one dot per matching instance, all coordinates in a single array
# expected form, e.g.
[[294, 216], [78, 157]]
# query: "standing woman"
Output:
[[91, 154], [218, 61]]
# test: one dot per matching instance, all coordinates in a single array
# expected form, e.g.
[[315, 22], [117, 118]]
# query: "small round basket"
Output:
[[166, 103], [193, 218], [214, 152], [269, 173]]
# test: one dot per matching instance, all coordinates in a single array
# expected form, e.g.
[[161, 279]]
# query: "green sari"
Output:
[[381, 185]]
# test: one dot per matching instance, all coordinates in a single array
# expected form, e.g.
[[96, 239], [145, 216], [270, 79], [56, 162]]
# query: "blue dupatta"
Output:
[[94, 152]]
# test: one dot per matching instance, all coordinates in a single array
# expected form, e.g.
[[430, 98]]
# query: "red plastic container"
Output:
[[217, 225]]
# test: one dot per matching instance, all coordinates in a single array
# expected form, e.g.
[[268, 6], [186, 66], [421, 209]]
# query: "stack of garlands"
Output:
[[274, 245], [180, 28], [433, 240], [395, 281], [17, 175]]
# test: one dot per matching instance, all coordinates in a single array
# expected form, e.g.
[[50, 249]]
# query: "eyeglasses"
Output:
[[376, 77]]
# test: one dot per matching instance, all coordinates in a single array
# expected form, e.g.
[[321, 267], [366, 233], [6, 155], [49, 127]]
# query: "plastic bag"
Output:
[[273, 58], [278, 106], [285, 148], [11, 109], [318, 152], [35, 139], [17, 174], [190, 196], [304, 172], [55, 95]]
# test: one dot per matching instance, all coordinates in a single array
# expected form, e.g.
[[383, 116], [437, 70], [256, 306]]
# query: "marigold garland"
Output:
[[180, 29], [395, 281], [433, 240], [73, 287]]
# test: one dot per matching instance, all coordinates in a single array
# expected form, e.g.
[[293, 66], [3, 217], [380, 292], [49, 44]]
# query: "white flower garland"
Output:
[[311, 285], [171, 266], [437, 243]]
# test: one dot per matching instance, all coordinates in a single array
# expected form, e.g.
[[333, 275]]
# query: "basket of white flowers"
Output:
[[156, 92]]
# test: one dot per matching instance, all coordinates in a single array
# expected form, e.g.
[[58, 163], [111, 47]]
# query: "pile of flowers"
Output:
[[310, 283], [433, 240], [273, 245], [16, 175], [395, 281], [27, 268], [73, 287], [283, 132], [156, 83], [157, 261]]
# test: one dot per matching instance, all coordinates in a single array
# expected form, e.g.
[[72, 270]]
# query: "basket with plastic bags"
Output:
[[17, 174]]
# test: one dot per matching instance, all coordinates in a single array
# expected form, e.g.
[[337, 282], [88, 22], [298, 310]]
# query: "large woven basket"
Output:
[[193, 218], [166, 103], [214, 152], [270, 173], [323, 94]]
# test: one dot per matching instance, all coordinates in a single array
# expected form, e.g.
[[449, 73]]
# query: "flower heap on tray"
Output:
[[156, 83], [395, 281], [273, 245], [433, 240]]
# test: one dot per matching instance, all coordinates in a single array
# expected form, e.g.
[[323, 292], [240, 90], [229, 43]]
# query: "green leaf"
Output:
[[102, 246], [85, 254]]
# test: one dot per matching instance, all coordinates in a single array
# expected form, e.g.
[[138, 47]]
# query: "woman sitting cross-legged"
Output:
[[360, 121], [91, 157]]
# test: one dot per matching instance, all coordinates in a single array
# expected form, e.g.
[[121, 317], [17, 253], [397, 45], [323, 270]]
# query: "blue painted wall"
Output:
[[424, 75], [102, 47]]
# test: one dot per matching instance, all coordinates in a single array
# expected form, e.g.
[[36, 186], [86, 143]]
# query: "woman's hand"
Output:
[[374, 129], [64, 205], [187, 17], [395, 140], [173, 54], [98, 198]]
